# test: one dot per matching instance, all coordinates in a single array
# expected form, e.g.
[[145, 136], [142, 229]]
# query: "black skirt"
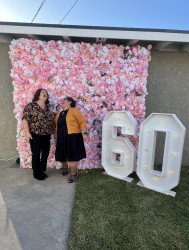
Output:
[[69, 147]]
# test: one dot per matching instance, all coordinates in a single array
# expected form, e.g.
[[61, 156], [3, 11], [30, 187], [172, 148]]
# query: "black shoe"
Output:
[[64, 171], [18, 161], [39, 178], [72, 178], [44, 175]]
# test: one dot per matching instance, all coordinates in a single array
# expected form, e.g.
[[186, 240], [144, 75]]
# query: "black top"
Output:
[[61, 124]]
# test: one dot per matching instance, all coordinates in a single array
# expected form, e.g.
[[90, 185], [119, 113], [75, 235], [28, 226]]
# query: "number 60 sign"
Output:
[[119, 154]]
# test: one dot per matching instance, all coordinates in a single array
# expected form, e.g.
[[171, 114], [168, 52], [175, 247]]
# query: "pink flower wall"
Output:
[[100, 77]]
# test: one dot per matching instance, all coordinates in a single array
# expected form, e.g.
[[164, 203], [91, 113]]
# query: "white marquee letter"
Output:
[[161, 181], [118, 154]]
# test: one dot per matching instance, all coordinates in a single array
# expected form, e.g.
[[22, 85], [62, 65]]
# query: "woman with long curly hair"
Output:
[[38, 122]]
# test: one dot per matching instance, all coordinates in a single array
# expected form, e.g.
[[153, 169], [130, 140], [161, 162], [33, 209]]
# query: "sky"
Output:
[[158, 14]]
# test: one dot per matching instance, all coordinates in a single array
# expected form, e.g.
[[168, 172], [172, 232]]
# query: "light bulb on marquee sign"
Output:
[[123, 154]]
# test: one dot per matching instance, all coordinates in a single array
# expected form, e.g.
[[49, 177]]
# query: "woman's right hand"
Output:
[[28, 137]]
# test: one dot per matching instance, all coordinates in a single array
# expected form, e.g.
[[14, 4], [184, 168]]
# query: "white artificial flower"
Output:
[[91, 49], [58, 165], [105, 49], [128, 90], [52, 59], [126, 84], [13, 42], [132, 86], [144, 51], [84, 81], [122, 78], [91, 89], [75, 47], [33, 52], [20, 64], [46, 50]]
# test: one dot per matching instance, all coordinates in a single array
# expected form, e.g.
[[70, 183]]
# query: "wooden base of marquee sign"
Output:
[[119, 154]]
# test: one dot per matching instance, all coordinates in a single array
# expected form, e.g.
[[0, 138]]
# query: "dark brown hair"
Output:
[[71, 100], [37, 94]]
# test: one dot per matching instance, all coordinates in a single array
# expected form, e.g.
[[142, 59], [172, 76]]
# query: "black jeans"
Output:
[[40, 146]]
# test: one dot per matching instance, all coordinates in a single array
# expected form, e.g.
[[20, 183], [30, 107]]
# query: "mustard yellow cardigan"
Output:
[[74, 120]]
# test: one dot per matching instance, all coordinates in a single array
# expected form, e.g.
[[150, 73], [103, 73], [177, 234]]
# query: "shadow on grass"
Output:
[[113, 214]]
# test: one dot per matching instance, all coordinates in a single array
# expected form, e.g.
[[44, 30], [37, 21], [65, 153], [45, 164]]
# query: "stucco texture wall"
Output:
[[7, 118], [168, 88]]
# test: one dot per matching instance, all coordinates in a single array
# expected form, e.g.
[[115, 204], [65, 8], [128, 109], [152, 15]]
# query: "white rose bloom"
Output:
[[105, 49], [91, 89]]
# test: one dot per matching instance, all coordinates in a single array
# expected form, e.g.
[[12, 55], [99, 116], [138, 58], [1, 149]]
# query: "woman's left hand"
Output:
[[85, 137]]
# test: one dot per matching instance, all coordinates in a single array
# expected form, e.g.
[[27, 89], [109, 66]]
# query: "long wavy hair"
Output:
[[70, 99], [37, 94]]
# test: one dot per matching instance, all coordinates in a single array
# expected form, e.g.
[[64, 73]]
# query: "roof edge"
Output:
[[93, 27]]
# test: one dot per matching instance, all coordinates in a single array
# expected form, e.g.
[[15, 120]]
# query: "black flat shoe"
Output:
[[64, 171], [40, 178], [72, 178], [44, 175]]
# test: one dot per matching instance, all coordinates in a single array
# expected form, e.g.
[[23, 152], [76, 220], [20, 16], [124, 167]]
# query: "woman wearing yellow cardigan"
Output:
[[71, 130]]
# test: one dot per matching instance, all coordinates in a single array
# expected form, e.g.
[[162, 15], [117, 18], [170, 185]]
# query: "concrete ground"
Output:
[[34, 215]]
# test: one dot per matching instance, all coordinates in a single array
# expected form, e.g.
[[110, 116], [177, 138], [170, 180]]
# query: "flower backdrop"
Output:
[[100, 77]]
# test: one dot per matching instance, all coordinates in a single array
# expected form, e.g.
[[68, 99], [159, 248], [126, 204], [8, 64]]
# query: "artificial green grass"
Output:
[[113, 214]]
